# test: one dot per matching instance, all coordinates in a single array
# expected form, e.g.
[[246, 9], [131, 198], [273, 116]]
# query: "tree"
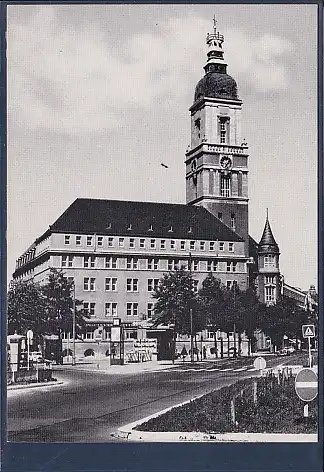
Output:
[[58, 294], [212, 302], [174, 300], [284, 318], [26, 307]]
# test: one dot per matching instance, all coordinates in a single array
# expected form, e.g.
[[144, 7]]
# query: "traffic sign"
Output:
[[308, 331], [306, 385], [259, 363]]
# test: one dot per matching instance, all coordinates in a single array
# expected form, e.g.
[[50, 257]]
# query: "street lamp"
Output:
[[73, 325]]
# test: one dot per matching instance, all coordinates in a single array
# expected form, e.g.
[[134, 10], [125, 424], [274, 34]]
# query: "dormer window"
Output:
[[150, 228], [129, 228], [190, 229], [108, 226], [170, 230]]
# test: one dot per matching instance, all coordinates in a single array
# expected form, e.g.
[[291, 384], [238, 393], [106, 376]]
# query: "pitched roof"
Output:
[[268, 242], [118, 217]]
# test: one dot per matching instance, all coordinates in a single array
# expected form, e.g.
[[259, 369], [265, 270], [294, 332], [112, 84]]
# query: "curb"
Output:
[[28, 386]]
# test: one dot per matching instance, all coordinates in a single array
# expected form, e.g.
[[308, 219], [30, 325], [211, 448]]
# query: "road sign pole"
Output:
[[309, 353], [306, 410], [28, 341], [98, 352]]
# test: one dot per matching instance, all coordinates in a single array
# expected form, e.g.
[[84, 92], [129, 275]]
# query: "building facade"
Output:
[[117, 251]]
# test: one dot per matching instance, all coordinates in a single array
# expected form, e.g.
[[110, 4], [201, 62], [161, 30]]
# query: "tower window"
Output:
[[220, 215], [225, 186], [269, 294], [233, 221], [197, 125], [269, 261], [223, 129]]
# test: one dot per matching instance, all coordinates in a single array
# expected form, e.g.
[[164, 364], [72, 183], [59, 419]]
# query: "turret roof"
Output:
[[268, 242]]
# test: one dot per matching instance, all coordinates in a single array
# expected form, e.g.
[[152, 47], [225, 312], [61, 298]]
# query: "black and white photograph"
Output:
[[162, 228]]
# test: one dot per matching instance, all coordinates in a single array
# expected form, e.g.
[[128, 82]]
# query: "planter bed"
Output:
[[277, 410]]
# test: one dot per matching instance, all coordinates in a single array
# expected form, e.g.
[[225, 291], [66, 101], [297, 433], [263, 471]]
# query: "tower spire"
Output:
[[215, 59]]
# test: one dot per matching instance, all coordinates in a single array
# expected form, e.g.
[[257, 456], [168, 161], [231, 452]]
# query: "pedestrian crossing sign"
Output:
[[308, 331]]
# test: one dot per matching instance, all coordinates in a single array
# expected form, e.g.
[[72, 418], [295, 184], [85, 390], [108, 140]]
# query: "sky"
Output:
[[98, 97]]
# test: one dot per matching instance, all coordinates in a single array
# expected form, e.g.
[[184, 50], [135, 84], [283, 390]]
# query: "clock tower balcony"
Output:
[[208, 148]]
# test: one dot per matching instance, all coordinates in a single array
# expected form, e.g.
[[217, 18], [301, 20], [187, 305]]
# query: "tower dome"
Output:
[[216, 83]]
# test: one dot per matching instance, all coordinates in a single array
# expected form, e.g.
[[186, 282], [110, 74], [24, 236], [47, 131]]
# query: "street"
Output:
[[89, 406]]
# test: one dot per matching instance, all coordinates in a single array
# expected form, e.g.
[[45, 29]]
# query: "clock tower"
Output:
[[217, 159]]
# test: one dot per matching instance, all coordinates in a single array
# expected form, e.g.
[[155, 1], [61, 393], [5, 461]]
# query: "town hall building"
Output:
[[117, 251]]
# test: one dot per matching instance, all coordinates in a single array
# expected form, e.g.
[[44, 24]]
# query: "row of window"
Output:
[[132, 263], [132, 285], [111, 309], [151, 243]]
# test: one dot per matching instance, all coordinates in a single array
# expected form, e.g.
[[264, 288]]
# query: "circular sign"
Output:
[[30, 334], [259, 363], [306, 385]]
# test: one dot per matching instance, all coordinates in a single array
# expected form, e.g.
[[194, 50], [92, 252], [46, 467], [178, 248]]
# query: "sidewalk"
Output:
[[33, 385], [103, 366]]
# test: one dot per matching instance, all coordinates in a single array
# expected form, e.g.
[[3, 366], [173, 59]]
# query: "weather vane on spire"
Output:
[[214, 20]]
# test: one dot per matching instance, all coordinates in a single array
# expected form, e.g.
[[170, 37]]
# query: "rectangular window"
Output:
[[131, 242], [183, 245], [225, 186], [111, 284], [89, 261], [78, 240], [269, 261], [269, 279], [212, 266], [121, 242], [111, 309], [173, 264], [162, 244], [231, 247], [67, 239], [132, 285], [90, 307], [212, 246], [231, 266], [89, 240], [172, 244], [192, 245], [202, 245], [110, 241], [269, 294], [132, 263], [150, 310], [142, 243], [100, 241], [228, 266], [195, 285], [233, 221], [234, 266], [239, 184], [221, 246], [89, 284], [67, 261], [194, 265], [152, 264], [111, 263], [152, 284], [229, 284], [223, 129], [132, 309], [152, 243]]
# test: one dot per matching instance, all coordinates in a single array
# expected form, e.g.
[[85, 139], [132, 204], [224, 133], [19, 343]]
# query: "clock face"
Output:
[[226, 162]]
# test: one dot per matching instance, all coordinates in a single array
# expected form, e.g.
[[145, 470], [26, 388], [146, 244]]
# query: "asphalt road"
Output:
[[89, 406]]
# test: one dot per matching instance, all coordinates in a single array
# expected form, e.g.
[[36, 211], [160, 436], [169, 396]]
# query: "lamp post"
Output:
[[73, 326], [191, 318]]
